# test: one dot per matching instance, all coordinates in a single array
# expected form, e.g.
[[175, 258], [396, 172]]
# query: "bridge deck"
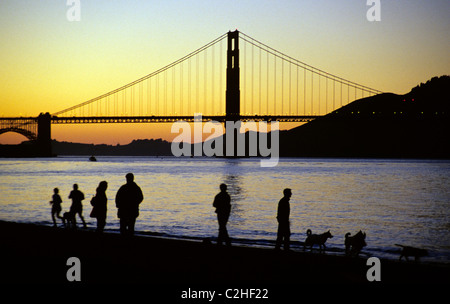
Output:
[[169, 119]]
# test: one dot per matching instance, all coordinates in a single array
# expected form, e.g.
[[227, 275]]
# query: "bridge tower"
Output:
[[233, 97], [233, 94], [44, 136]]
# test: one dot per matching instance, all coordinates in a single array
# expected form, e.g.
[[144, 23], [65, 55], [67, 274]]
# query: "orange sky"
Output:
[[50, 63]]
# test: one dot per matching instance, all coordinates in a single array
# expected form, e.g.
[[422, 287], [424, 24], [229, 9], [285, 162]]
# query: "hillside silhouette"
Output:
[[140, 147], [414, 125]]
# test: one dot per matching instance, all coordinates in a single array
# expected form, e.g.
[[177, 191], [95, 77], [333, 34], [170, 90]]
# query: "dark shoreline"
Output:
[[38, 254]]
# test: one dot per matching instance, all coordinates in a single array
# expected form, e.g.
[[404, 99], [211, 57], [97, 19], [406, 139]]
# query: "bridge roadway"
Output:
[[168, 119]]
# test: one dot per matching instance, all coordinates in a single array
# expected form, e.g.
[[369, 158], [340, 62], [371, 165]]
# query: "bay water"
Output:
[[393, 201]]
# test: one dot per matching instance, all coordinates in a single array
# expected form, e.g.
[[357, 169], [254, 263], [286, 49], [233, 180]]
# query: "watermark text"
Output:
[[374, 12], [235, 143], [74, 10]]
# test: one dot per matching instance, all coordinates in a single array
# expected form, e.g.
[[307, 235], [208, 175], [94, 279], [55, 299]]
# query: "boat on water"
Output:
[[92, 158]]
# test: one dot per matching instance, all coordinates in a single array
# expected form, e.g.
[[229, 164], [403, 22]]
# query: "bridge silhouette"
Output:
[[275, 87]]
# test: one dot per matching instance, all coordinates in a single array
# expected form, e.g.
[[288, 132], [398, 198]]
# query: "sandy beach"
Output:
[[38, 254]]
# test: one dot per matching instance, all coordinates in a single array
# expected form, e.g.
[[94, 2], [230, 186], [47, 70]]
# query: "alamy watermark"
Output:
[[73, 274], [374, 12], [235, 144], [74, 11], [374, 272]]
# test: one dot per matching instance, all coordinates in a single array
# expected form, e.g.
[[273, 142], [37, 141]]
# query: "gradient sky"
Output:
[[49, 63]]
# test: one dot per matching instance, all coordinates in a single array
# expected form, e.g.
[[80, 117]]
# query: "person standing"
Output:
[[128, 199], [77, 207], [223, 208], [99, 203], [283, 213], [56, 206]]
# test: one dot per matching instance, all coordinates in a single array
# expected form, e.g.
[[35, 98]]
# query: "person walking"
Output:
[[223, 208], [56, 206], [128, 199], [77, 207], [99, 203], [283, 213]]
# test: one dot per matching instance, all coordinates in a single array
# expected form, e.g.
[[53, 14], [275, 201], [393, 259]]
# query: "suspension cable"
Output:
[[190, 55]]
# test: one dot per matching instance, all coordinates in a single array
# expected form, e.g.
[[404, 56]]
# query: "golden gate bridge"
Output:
[[250, 81]]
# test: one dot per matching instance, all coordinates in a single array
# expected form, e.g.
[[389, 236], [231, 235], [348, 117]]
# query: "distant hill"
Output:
[[141, 147], [414, 125]]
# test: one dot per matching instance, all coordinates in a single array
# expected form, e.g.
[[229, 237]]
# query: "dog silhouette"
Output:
[[354, 244], [316, 239], [407, 251], [69, 220]]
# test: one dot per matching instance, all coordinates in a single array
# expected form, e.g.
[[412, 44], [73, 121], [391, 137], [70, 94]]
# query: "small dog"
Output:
[[354, 244], [407, 251], [69, 220], [318, 239]]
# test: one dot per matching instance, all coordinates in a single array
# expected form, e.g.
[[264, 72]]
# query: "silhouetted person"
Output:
[[99, 202], [56, 206], [223, 208], [77, 207], [128, 199], [284, 210]]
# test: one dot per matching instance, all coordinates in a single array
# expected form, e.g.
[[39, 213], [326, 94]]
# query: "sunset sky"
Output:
[[49, 63]]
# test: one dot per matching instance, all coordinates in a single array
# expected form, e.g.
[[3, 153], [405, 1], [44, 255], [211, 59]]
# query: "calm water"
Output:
[[393, 201]]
